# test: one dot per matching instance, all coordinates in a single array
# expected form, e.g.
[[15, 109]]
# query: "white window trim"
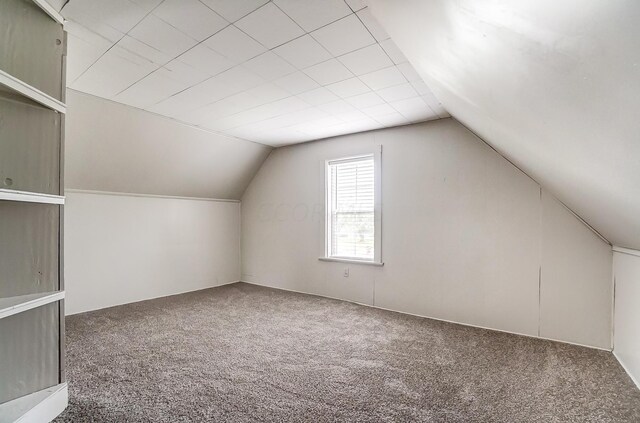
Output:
[[377, 210]]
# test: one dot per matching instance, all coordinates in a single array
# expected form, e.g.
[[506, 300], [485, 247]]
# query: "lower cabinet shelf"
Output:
[[14, 305], [41, 406]]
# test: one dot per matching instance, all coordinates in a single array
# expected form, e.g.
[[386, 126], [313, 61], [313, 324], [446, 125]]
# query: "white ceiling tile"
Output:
[[213, 89], [234, 44], [354, 116], [266, 111], [93, 31], [158, 34], [184, 72], [397, 92], [318, 96], [296, 83], [392, 119], [232, 10], [269, 66], [303, 52], [414, 109], [328, 72], [356, 5], [270, 26], [365, 100], [121, 15], [191, 17], [236, 103], [379, 110], [338, 107], [383, 78], [116, 70], [409, 72], [393, 51], [312, 14], [348, 88], [435, 105], [366, 60], [152, 89], [205, 60], [421, 88], [343, 36], [85, 47], [141, 49], [372, 24]]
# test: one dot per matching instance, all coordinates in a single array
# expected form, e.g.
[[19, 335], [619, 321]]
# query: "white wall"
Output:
[[122, 249], [626, 271], [463, 236], [554, 86]]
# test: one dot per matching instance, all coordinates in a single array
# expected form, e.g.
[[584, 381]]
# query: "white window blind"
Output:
[[351, 206]]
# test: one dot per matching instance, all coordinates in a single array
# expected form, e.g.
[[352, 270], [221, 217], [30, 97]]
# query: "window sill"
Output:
[[341, 260]]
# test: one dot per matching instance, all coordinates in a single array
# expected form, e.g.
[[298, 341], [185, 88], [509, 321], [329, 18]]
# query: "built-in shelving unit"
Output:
[[32, 108]]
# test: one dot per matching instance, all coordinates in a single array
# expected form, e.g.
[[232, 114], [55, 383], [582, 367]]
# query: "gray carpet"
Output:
[[242, 353]]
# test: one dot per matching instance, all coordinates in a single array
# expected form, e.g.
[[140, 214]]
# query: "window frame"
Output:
[[376, 154]]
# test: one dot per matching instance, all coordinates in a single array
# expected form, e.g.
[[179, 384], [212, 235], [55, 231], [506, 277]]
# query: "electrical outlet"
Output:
[[346, 273]]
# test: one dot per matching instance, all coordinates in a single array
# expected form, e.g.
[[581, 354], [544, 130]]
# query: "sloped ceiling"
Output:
[[275, 72], [116, 148], [553, 85]]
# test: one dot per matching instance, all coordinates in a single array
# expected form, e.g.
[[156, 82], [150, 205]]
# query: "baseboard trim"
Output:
[[626, 369], [153, 298], [433, 318], [41, 406]]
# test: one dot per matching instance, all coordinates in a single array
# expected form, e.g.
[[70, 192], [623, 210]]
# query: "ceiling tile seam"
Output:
[[120, 39], [219, 15], [243, 16], [268, 49], [310, 106], [290, 96], [373, 36], [176, 57], [181, 122]]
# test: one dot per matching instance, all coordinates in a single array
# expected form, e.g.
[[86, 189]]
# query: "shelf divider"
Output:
[[30, 197], [32, 93], [21, 303]]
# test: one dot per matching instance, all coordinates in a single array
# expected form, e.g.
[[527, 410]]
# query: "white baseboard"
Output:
[[39, 407], [432, 318], [626, 369]]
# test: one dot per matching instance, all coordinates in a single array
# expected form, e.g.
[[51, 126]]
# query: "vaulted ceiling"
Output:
[[275, 72], [553, 85]]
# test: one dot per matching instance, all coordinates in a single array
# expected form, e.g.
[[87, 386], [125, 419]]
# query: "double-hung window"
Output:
[[353, 209]]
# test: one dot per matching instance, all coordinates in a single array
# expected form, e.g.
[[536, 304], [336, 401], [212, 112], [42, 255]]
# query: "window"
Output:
[[353, 221]]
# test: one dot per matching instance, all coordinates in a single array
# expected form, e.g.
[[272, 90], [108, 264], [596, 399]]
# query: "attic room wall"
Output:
[[626, 271], [466, 237], [123, 245]]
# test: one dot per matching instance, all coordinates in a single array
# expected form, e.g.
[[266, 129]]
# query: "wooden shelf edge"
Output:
[[30, 197], [49, 10], [41, 406], [32, 93], [19, 304]]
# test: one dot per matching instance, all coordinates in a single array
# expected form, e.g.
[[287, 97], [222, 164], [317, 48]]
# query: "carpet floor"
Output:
[[242, 353]]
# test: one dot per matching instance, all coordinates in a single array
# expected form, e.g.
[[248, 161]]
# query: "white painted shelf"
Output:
[[14, 305], [41, 406], [49, 10], [30, 92], [30, 197]]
